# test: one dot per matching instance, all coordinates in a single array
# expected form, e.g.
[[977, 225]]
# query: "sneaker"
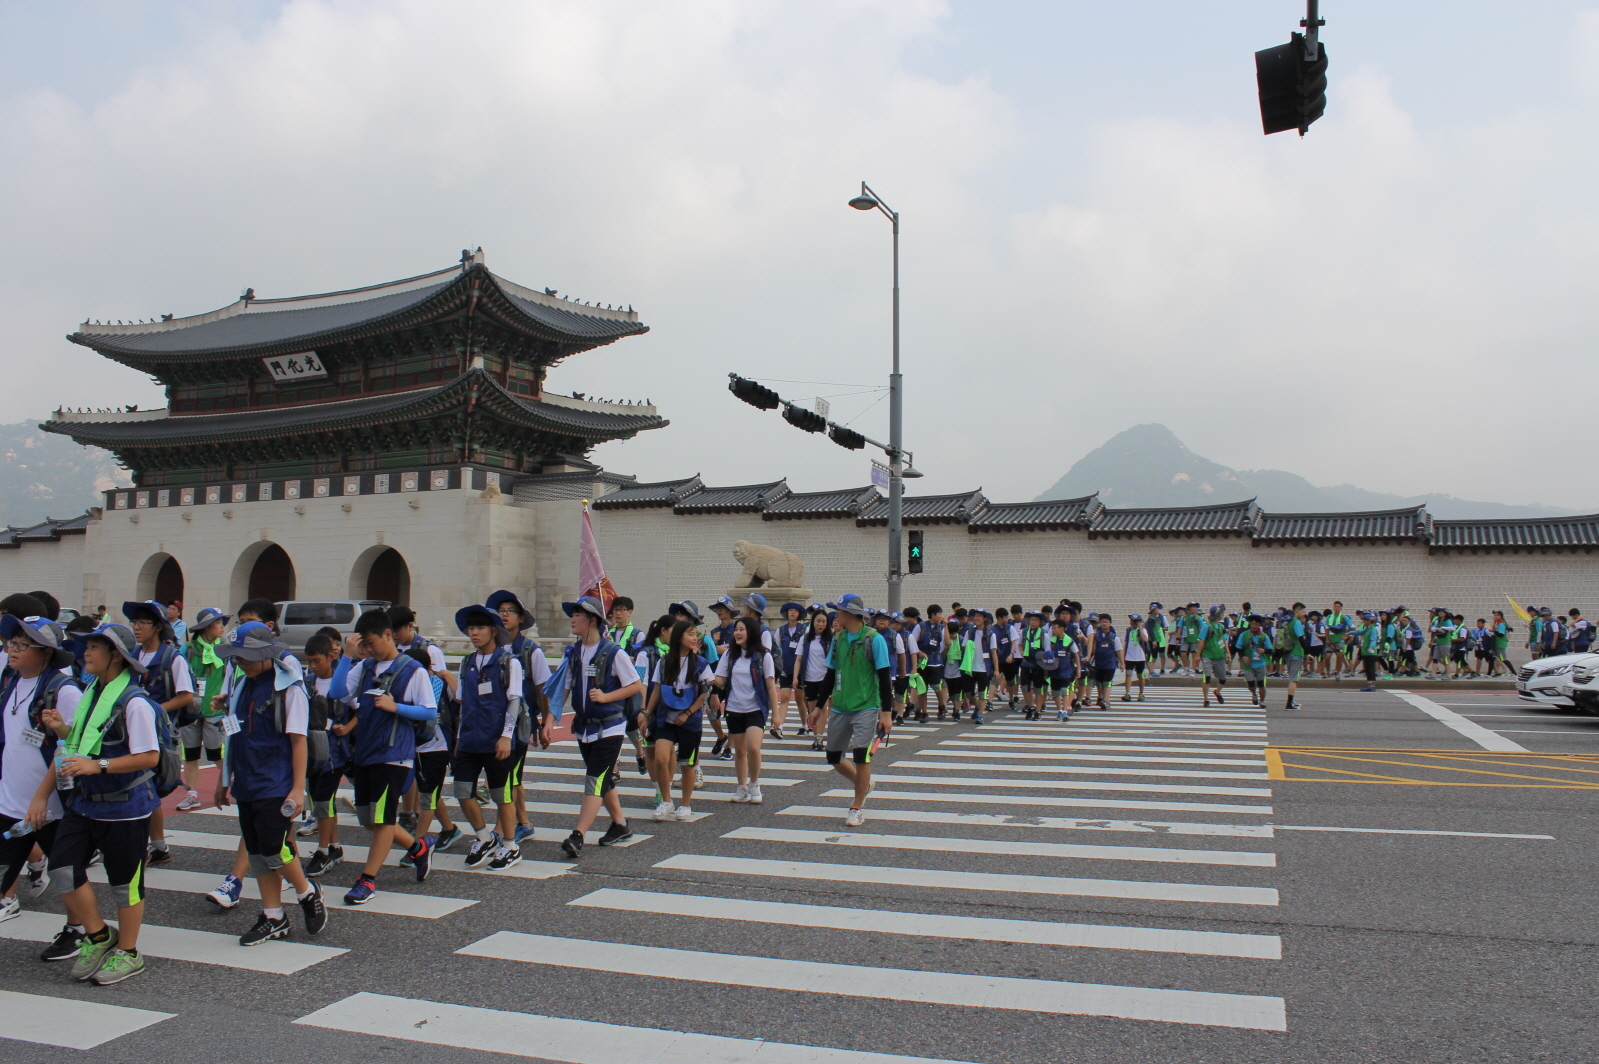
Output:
[[157, 857], [1219, 702], [1369, 687], [227, 893], [1127, 698], [323, 860], [663, 811], [717, 747], [408, 823], [64, 947], [685, 813], [977, 720], [10, 908], [777, 733], [314, 910], [726, 754], [265, 930], [572, 845], [308, 827], [91, 954], [118, 965], [505, 857], [447, 838], [38, 880], [755, 793], [742, 794], [364, 891], [641, 771], [482, 850], [856, 818], [616, 833], [523, 831], [422, 859], [407, 862], [190, 801], [816, 744], [1140, 698]]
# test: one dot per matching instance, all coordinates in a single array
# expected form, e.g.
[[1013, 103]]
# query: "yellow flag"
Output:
[[1523, 614]]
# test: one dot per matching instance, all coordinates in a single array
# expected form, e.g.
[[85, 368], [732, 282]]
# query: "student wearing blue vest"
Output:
[[1067, 666], [745, 675], [111, 747], [1031, 651], [383, 757], [491, 686], [168, 682], [600, 680], [718, 637], [980, 660], [789, 635], [1104, 657], [263, 771], [812, 672], [326, 665], [932, 638], [35, 695], [679, 685], [535, 674]]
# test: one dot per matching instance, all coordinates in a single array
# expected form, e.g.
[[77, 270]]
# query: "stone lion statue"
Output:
[[765, 565]]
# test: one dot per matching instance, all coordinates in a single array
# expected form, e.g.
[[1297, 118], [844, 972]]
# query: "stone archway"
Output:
[[160, 578], [381, 572], [264, 570]]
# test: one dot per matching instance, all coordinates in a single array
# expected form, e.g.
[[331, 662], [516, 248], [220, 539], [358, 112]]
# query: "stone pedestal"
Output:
[[775, 597]]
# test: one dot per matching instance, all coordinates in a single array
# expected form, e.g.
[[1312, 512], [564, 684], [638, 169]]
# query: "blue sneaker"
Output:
[[977, 720], [447, 838], [363, 891], [422, 859], [523, 831], [227, 894], [406, 862]]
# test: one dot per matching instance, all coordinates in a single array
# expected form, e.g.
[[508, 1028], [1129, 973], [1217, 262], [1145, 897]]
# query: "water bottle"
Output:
[[64, 782], [17, 830], [288, 808]]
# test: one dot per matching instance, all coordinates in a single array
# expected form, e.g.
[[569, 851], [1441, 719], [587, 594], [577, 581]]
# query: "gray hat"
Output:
[[853, 604], [756, 602], [41, 630], [251, 641], [686, 608], [207, 617], [120, 636], [588, 604]]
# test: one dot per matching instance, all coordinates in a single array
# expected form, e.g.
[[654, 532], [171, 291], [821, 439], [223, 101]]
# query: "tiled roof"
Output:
[[745, 498], [49, 530], [928, 509], [658, 493], [587, 484], [1412, 523], [1235, 519], [1047, 515], [850, 502], [1545, 533]]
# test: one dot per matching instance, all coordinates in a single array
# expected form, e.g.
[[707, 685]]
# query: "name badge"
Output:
[[32, 736], [230, 725], [485, 688], [588, 670], [794, 645]]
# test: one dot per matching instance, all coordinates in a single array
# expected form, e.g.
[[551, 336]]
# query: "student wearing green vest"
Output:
[[1338, 626], [1159, 638], [1370, 648], [1297, 635], [208, 670], [860, 681], [1213, 654], [1254, 646]]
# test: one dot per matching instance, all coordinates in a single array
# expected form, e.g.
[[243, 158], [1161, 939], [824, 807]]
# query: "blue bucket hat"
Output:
[[474, 614], [207, 617], [756, 603], [122, 640], [135, 609], [725, 603], [588, 604], [251, 641], [45, 632], [852, 604], [500, 598]]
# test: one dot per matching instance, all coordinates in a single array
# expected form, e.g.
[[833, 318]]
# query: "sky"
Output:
[[1095, 233]]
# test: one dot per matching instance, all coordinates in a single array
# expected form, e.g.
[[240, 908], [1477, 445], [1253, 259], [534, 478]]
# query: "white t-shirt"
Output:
[[1135, 650], [540, 666], [182, 679], [815, 662], [913, 646], [741, 696], [683, 680], [23, 768], [625, 674]]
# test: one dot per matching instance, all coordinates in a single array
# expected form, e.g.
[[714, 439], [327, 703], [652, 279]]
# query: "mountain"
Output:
[[45, 475], [1149, 466]]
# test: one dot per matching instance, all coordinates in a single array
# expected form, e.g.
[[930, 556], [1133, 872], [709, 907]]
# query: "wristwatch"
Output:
[[105, 765]]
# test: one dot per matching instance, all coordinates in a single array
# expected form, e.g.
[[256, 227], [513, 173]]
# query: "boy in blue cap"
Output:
[[600, 679], [491, 688]]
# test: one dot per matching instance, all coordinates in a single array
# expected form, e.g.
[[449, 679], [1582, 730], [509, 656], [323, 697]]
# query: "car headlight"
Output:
[[1582, 675], [1558, 670]]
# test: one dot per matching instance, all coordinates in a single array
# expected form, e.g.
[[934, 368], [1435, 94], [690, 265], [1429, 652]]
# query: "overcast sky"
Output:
[[1095, 232]]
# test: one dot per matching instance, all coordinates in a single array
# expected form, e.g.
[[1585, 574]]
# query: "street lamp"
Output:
[[867, 201]]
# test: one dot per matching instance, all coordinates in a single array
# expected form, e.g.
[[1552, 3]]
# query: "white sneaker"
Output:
[[190, 801], [10, 908], [684, 813], [38, 879], [663, 811], [755, 793], [856, 818], [742, 794]]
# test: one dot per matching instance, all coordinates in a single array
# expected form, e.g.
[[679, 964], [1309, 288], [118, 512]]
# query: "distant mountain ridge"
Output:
[[45, 475], [1147, 465]]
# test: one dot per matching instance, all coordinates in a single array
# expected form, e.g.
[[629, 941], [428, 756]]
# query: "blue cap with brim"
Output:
[[500, 598], [756, 603], [852, 604], [251, 641], [209, 616], [158, 612], [120, 636], [45, 632], [588, 604], [484, 615]]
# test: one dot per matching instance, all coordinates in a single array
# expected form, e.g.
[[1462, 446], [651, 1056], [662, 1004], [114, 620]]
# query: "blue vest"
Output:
[[337, 713], [45, 694], [587, 713], [483, 715], [1002, 631], [117, 795], [1065, 660], [381, 736], [930, 637], [260, 758], [1104, 649], [674, 701], [757, 668], [788, 646]]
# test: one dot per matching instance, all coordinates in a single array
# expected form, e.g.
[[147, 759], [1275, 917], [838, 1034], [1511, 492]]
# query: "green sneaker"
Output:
[[91, 954], [119, 965]]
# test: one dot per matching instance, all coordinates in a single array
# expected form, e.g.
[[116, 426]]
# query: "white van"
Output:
[[301, 619]]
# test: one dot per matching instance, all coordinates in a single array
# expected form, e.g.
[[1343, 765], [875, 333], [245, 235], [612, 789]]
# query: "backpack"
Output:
[[423, 728]]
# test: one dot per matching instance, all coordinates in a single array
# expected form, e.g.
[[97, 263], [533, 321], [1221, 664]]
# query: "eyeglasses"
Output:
[[17, 646]]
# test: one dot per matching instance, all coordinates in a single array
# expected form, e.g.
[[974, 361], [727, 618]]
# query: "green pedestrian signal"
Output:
[[914, 556]]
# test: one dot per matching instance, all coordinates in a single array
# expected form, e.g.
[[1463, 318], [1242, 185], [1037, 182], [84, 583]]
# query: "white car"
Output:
[[1549, 681], [1583, 688]]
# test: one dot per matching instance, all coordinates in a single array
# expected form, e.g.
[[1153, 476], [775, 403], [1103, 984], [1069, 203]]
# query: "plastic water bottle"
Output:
[[17, 830], [64, 782], [288, 808]]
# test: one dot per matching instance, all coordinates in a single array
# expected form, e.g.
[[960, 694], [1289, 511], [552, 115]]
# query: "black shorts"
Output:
[[685, 737], [979, 683], [599, 763], [266, 834], [1103, 676], [1135, 668], [1031, 676], [933, 675], [901, 685], [469, 763], [958, 685], [1061, 683], [378, 790], [813, 692], [431, 769], [1316, 651], [123, 844], [322, 790], [1009, 669], [739, 723], [785, 681], [14, 852]]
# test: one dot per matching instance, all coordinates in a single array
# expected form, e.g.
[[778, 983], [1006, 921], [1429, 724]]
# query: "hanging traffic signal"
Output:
[[848, 439], [913, 556], [1293, 90], [754, 394], [801, 418]]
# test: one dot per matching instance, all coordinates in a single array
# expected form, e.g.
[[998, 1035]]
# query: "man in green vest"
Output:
[[860, 680]]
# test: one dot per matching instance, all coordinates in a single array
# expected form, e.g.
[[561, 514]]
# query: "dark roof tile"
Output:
[[928, 509], [1233, 518], [1543, 533], [657, 493], [850, 502], [744, 498], [1410, 523], [1049, 514]]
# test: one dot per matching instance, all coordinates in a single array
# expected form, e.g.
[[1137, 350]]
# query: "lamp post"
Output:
[[866, 201]]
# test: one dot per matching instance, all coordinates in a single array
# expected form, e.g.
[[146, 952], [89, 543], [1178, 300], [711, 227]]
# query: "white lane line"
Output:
[[940, 798], [201, 947], [636, 792], [552, 770], [387, 902], [521, 1034], [1231, 744], [1524, 717], [890, 984], [1051, 750], [1068, 785], [1544, 731], [786, 766], [1000, 820], [944, 844], [1412, 831], [1470, 729], [444, 862], [70, 1023], [1090, 770], [1206, 893], [982, 929]]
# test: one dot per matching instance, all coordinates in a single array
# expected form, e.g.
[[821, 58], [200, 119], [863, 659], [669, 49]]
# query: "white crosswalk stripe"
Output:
[[387, 902], [1097, 770], [1121, 753], [444, 862], [891, 794], [1152, 827], [946, 844], [1066, 785], [1079, 736], [180, 944], [70, 1023]]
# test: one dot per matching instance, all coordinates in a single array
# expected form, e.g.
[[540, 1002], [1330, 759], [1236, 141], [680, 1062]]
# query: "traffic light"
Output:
[[754, 394], [848, 439], [800, 418], [913, 554], [1293, 92]]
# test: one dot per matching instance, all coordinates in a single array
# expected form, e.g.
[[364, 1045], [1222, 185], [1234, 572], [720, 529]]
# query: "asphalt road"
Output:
[[1136, 885]]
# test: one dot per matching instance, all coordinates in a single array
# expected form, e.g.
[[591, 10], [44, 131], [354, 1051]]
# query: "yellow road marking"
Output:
[[1567, 772]]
